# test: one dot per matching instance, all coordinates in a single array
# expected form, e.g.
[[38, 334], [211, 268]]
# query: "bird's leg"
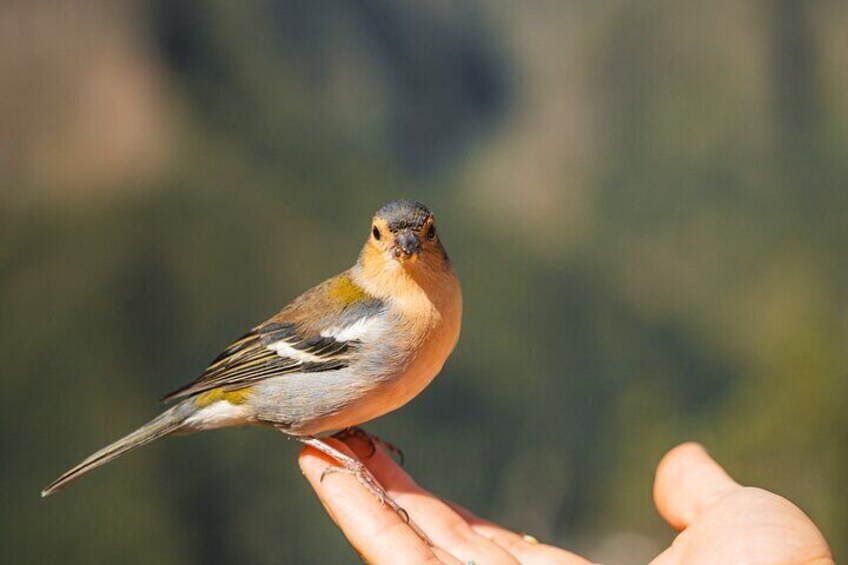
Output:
[[356, 431], [348, 464]]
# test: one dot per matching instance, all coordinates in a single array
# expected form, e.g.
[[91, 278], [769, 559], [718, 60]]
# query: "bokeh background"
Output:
[[647, 203]]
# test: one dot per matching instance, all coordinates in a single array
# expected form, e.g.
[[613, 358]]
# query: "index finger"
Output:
[[375, 531]]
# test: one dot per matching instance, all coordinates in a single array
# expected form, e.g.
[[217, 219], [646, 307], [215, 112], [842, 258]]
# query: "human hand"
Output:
[[720, 521], [382, 537]]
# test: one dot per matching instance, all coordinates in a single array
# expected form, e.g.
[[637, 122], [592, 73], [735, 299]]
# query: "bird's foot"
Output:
[[351, 466], [372, 440]]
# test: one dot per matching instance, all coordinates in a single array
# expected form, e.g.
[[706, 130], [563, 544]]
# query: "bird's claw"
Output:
[[372, 440], [351, 466]]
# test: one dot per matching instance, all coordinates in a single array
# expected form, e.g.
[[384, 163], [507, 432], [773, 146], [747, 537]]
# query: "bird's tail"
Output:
[[164, 424]]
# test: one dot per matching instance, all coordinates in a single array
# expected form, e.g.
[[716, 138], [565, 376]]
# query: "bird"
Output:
[[351, 349]]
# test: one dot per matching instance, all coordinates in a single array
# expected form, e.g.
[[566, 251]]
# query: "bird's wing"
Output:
[[319, 331]]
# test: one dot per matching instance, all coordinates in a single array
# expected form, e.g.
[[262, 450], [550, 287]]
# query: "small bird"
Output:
[[345, 352]]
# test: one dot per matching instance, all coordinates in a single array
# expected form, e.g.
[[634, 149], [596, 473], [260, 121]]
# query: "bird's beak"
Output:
[[406, 245]]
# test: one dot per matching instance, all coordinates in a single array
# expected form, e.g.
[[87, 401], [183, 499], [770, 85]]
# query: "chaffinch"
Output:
[[349, 350]]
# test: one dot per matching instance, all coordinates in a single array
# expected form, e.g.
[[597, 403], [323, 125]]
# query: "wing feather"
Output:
[[294, 341]]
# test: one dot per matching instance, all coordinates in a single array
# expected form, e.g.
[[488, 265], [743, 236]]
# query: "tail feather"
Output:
[[167, 422]]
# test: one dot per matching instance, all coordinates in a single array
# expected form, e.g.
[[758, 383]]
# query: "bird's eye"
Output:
[[376, 233], [431, 232]]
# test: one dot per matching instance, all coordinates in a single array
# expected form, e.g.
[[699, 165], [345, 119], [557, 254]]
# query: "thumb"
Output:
[[688, 480]]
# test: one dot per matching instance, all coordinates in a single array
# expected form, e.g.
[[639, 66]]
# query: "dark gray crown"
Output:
[[403, 214]]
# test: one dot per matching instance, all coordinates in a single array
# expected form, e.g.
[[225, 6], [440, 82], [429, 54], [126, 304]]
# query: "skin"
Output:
[[719, 520]]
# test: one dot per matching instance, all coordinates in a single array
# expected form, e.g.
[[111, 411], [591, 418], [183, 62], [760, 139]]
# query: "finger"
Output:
[[688, 480], [439, 521], [668, 557], [524, 547], [376, 532]]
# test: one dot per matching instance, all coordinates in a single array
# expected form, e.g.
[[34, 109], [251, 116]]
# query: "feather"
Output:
[[167, 422], [319, 331]]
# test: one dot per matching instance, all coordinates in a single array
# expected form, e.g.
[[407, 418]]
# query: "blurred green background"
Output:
[[647, 203]]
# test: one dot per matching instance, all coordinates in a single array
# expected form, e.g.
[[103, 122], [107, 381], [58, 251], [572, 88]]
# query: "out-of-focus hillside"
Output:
[[646, 203]]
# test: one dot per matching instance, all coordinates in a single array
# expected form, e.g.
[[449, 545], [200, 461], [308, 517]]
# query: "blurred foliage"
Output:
[[646, 203]]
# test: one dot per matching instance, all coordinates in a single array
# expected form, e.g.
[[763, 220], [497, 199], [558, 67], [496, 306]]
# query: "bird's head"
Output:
[[403, 234]]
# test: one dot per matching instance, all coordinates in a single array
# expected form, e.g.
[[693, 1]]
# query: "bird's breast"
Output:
[[398, 365], [423, 338]]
